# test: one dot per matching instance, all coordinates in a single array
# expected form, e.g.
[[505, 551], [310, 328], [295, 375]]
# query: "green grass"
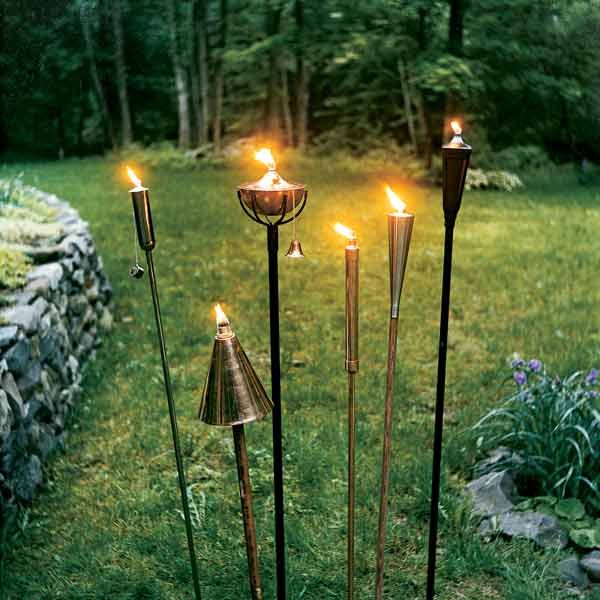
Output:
[[525, 279]]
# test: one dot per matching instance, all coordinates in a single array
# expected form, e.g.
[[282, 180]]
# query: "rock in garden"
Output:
[[52, 272], [13, 395], [28, 478], [8, 335], [591, 564], [25, 316], [570, 571], [18, 356], [492, 494], [542, 529], [6, 416], [501, 455]]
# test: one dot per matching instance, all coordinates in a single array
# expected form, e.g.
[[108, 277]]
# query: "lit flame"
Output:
[[134, 178], [397, 203], [456, 127], [221, 316], [265, 157], [345, 231]]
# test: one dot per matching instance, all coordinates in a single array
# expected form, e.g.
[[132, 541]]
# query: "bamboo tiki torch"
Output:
[[352, 255], [400, 225], [147, 241], [455, 162]]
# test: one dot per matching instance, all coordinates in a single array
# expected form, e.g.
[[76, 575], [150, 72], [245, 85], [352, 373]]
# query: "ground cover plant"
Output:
[[109, 525]]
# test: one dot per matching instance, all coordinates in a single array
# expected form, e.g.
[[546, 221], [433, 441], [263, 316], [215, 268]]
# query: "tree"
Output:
[[302, 77], [219, 77], [121, 72]]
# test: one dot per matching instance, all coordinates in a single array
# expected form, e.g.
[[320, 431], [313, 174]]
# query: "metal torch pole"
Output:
[[243, 469], [439, 411], [173, 418], [273, 248], [387, 454]]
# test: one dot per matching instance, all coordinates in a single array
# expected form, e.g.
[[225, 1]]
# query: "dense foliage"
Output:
[[80, 76], [553, 426]]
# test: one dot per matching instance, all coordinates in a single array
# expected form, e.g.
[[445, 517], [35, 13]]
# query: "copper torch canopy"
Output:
[[233, 393]]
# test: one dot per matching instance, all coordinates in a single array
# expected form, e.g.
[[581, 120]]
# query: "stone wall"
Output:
[[48, 331]]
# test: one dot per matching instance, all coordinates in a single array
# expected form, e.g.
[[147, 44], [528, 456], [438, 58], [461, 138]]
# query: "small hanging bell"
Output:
[[295, 250]]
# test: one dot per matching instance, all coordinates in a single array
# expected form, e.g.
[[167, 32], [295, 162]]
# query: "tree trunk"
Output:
[[273, 102], [180, 75], [200, 77], [408, 105], [302, 79], [285, 106], [220, 81], [97, 84], [126, 132], [455, 29]]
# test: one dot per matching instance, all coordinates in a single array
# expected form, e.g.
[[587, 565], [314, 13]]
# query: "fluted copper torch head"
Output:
[[455, 162], [233, 393]]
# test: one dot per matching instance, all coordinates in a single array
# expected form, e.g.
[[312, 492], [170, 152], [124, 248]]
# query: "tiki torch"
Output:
[[147, 241], [233, 396], [455, 162], [352, 255], [272, 201], [400, 225]]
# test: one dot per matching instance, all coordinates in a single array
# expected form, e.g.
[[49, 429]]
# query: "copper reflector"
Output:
[[233, 394]]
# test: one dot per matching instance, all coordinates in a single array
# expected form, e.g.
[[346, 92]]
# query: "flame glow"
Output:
[[266, 157], [397, 203], [221, 316], [134, 178], [345, 231], [456, 127]]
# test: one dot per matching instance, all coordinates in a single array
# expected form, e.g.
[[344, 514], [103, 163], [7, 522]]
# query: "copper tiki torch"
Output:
[[272, 201], [352, 269], [233, 396], [455, 162], [147, 241], [400, 225]]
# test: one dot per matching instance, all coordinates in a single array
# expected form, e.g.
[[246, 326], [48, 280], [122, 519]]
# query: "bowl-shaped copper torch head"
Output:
[[233, 393]]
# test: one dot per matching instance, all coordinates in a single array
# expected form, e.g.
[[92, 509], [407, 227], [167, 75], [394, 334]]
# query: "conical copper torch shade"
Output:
[[295, 250], [400, 232], [232, 394]]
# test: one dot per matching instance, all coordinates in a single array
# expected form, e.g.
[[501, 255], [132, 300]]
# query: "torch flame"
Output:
[[265, 157], [134, 178], [397, 203], [456, 127], [221, 316], [345, 231]]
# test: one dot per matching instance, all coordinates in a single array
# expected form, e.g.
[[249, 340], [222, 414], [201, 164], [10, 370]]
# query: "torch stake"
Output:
[[351, 479], [439, 410], [272, 249], [387, 453], [247, 511], [173, 418]]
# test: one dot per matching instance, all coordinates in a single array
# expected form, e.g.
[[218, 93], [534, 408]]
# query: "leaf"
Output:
[[549, 500], [586, 538], [570, 508]]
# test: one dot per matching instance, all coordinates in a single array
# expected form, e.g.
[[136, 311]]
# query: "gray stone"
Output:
[[8, 335], [30, 379], [28, 478], [492, 494], [6, 415], [92, 293], [73, 242], [44, 254], [106, 320], [591, 565], [542, 529], [78, 277], [13, 395], [78, 304], [18, 356], [22, 298], [38, 287], [27, 317], [570, 571], [508, 459], [52, 272]]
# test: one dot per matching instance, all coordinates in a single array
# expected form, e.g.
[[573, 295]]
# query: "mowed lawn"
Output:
[[525, 280]]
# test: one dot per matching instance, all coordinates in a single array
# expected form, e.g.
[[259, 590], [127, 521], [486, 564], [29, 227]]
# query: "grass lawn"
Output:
[[525, 279]]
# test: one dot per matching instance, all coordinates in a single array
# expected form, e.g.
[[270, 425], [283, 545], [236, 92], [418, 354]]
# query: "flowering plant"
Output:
[[553, 425]]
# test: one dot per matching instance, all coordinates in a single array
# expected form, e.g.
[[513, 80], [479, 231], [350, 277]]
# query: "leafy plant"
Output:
[[14, 267], [553, 424], [17, 201], [477, 179]]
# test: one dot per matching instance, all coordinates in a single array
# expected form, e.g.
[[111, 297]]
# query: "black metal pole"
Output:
[[173, 418], [272, 249], [439, 411]]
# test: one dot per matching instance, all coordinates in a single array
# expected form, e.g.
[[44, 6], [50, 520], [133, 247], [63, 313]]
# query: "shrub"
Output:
[[165, 154], [14, 267], [522, 158], [18, 201], [477, 179], [553, 424]]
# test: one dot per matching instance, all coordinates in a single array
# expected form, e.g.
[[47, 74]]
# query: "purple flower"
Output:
[[517, 362], [592, 376], [520, 377], [535, 365]]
